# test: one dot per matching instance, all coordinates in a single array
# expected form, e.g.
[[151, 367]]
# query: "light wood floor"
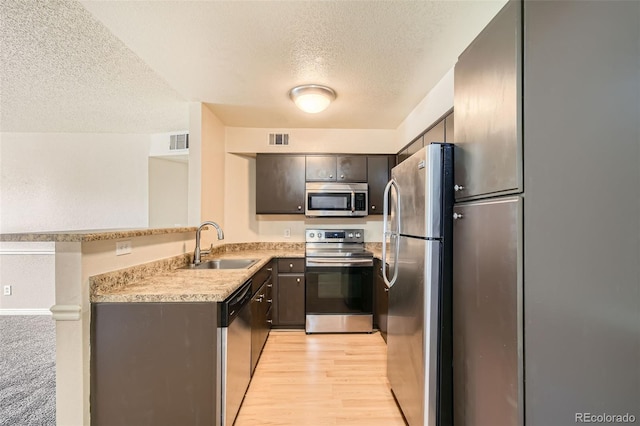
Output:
[[320, 379]]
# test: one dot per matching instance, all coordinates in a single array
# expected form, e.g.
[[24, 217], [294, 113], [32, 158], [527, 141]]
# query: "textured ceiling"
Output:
[[62, 71], [141, 60]]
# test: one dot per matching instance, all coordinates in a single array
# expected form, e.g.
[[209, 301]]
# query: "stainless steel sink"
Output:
[[223, 264]]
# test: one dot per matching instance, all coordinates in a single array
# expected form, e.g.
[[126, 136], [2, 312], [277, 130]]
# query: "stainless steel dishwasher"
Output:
[[234, 353]]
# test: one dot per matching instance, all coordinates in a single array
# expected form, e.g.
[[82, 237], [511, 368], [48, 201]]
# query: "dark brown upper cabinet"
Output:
[[332, 168], [379, 173], [280, 184], [321, 168], [448, 129], [352, 168], [435, 134]]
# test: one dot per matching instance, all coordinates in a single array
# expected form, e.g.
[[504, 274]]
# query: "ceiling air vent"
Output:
[[179, 142], [278, 138]]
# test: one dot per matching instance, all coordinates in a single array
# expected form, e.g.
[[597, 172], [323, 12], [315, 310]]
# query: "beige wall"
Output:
[[213, 174], [206, 170], [437, 102], [252, 140], [168, 186]]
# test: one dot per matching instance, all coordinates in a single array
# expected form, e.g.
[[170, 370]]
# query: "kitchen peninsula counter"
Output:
[[91, 235]]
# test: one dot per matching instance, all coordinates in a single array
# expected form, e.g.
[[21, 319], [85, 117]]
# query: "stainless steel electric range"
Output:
[[339, 282]]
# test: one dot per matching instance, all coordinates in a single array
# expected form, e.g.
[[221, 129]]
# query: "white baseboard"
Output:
[[25, 312]]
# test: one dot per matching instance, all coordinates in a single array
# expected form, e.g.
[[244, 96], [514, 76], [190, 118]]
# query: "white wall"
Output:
[[168, 192], [29, 268], [73, 181]]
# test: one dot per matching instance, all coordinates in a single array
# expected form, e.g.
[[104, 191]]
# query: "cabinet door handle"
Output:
[[458, 188], [331, 176], [270, 321], [386, 289], [341, 176], [291, 266], [373, 207], [269, 285], [269, 300], [299, 207], [297, 280], [269, 269]]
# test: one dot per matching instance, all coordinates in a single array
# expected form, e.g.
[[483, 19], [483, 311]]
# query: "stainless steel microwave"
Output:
[[330, 199]]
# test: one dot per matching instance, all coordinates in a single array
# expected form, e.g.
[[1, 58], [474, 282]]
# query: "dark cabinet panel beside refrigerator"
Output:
[[488, 110], [546, 105], [487, 313]]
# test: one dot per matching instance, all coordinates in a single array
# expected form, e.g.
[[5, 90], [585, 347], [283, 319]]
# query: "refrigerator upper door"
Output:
[[412, 330], [419, 181]]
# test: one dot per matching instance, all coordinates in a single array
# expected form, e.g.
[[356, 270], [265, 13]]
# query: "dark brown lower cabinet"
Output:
[[291, 300], [290, 293], [153, 364], [381, 300]]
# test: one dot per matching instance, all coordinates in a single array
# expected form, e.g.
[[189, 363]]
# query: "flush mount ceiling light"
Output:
[[312, 98]]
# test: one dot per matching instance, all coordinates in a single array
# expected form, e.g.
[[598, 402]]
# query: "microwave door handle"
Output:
[[385, 232], [353, 201]]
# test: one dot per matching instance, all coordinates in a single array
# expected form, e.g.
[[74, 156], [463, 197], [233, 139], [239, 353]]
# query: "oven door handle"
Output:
[[339, 262], [353, 201]]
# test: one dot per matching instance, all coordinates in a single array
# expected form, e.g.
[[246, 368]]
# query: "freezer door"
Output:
[[419, 180], [487, 313], [412, 339]]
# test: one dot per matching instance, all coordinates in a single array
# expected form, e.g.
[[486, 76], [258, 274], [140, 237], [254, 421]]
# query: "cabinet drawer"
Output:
[[261, 277], [290, 266]]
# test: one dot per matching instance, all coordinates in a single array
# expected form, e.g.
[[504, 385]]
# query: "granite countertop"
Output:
[[91, 235], [186, 285]]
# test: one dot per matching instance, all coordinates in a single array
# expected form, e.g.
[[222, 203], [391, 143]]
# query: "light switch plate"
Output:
[[287, 232], [7, 290], [123, 247]]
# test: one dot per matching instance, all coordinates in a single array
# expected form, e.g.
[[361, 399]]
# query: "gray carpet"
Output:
[[27, 371]]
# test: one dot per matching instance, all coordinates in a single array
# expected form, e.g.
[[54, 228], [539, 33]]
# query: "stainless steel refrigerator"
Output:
[[417, 244]]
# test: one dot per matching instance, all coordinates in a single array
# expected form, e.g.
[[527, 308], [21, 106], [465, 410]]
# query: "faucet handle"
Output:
[[207, 251]]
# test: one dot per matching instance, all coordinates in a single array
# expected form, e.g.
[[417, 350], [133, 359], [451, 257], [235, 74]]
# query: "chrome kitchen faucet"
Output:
[[197, 252]]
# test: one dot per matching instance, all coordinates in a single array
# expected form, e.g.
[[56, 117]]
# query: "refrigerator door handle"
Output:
[[392, 234]]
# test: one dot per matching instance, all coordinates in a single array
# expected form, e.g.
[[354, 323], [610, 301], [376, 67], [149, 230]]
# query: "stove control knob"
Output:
[[358, 235], [350, 235], [312, 235], [320, 235]]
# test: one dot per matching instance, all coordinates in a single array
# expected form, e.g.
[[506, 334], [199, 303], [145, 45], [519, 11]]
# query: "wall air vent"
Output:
[[278, 138], [179, 142]]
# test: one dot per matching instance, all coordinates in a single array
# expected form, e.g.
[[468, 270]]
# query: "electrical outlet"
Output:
[[287, 232], [123, 247], [7, 290]]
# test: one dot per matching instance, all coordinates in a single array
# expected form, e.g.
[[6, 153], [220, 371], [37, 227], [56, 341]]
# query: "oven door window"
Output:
[[329, 201], [339, 290]]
